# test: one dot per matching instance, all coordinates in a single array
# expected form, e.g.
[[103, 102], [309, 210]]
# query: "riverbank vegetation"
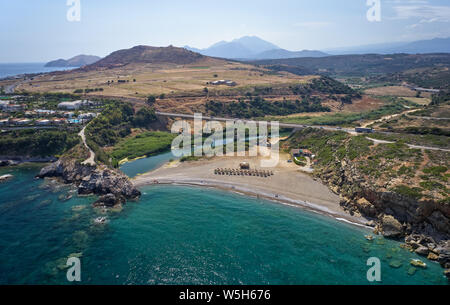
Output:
[[110, 135], [144, 144]]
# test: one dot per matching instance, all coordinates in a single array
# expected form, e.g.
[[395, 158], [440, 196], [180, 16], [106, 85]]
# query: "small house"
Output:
[[23, 122], [244, 166], [59, 121], [301, 152], [43, 122], [363, 130], [295, 153]]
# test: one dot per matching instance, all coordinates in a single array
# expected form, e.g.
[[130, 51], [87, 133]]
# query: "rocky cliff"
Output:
[[403, 191], [112, 186], [423, 224]]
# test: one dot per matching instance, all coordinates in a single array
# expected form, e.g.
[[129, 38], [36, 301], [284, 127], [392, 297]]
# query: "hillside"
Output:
[[147, 55], [77, 61], [362, 65], [160, 71]]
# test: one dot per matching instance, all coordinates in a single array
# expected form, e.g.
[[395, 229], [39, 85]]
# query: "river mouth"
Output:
[[147, 164]]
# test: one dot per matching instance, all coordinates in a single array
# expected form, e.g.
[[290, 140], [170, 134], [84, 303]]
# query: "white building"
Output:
[[12, 107], [3, 104], [43, 122], [75, 105], [44, 112], [23, 122], [224, 82], [87, 116]]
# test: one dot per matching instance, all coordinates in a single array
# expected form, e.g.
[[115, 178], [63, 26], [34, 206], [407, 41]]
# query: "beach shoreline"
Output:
[[288, 186]]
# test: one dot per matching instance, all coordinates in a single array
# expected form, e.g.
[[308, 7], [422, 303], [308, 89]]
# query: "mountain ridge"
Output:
[[435, 45], [76, 61], [252, 47], [147, 55]]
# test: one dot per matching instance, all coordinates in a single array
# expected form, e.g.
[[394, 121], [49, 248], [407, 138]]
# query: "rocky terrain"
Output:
[[147, 54], [424, 225], [113, 187], [404, 192]]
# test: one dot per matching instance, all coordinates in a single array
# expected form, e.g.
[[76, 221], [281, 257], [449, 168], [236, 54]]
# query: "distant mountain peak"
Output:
[[77, 61], [252, 47]]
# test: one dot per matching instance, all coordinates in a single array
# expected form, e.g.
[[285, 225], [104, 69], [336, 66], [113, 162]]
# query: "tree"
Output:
[[151, 100], [144, 117]]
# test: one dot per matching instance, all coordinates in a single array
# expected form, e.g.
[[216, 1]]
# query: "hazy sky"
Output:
[[38, 30]]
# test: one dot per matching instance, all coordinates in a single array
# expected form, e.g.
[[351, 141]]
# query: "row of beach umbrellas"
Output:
[[242, 172]]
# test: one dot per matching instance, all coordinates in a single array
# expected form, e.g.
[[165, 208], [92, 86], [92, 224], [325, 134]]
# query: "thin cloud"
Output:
[[425, 13], [312, 24]]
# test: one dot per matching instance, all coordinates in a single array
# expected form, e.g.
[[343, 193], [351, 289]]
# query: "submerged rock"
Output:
[[395, 264], [412, 271], [418, 263], [447, 273]]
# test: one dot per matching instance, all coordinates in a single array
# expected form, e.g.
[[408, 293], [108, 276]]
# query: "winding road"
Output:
[[91, 160], [298, 126]]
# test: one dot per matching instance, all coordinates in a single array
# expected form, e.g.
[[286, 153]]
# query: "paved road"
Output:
[[297, 126], [11, 88], [91, 160], [428, 118], [388, 117], [376, 141], [286, 125]]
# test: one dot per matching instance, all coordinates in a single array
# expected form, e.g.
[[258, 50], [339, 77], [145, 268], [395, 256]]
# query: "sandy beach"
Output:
[[288, 185]]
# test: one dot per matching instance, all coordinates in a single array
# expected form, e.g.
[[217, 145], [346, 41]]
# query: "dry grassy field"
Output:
[[394, 91], [142, 80]]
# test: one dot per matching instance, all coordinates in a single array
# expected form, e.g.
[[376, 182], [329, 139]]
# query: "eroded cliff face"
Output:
[[423, 224], [112, 186]]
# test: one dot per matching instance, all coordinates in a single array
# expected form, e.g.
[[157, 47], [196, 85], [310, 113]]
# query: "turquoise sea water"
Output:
[[184, 235]]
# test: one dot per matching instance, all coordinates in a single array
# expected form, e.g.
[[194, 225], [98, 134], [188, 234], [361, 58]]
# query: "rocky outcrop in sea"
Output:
[[112, 186]]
